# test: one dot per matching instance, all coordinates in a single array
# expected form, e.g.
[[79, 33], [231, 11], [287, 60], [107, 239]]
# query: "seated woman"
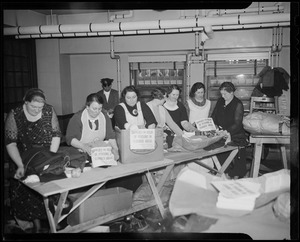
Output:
[[197, 106], [177, 110], [30, 125], [91, 126], [228, 115], [132, 113], [163, 118]]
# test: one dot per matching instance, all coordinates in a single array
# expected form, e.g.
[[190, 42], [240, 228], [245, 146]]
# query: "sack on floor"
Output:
[[266, 123]]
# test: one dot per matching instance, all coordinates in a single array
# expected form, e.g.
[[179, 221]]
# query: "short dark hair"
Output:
[[227, 86], [93, 97], [34, 94], [173, 87], [195, 87], [158, 93], [129, 89]]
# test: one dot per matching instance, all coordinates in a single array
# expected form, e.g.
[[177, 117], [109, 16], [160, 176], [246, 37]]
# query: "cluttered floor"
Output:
[[150, 220]]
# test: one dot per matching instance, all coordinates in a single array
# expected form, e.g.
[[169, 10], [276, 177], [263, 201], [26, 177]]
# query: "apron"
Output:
[[138, 120], [198, 112], [96, 133]]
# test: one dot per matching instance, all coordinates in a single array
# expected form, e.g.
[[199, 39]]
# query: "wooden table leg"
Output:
[[228, 160], [284, 158], [49, 215], [164, 177], [256, 159], [156, 195]]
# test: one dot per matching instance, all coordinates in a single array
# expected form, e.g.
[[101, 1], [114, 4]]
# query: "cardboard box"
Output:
[[102, 202], [128, 155]]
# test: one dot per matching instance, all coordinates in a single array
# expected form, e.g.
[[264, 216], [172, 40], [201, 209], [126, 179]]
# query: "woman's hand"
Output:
[[86, 149], [151, 126], [227, 137], [188, 126], [19, 172]]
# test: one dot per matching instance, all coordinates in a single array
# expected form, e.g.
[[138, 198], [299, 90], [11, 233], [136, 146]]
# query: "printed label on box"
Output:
[[102, 156], [142, 139], [205, 124]]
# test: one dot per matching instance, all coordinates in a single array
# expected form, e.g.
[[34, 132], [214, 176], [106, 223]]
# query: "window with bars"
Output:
[[19, 70], [148, 75], [241, 70]]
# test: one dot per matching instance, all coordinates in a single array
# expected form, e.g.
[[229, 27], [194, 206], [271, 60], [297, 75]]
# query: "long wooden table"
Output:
[[97, 177]]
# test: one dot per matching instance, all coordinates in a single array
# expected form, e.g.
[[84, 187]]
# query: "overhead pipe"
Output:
[[274, 43], [277, 8], [91, 29], [262, 9], [117, 57], [121, 16], [280, 38], [145, 32], [203, 51], [197, 52], [188, 75]]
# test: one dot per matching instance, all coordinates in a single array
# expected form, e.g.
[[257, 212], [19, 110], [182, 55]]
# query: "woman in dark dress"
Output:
[[228, 115], [33, 124], [177, 110]]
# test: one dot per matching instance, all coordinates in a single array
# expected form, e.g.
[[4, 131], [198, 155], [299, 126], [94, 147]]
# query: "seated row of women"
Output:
[[35, 124]]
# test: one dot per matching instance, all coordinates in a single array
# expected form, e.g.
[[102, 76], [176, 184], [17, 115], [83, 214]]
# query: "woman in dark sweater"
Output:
[[228, 115]]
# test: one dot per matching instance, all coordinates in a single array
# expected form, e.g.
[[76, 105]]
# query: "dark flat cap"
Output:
[[106, 81]]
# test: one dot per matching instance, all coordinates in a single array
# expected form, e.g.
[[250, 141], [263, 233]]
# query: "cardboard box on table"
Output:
[[102, 202], [128, 155]]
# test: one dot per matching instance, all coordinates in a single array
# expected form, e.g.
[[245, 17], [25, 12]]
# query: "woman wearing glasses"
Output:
[[91, 126], [31, 125]]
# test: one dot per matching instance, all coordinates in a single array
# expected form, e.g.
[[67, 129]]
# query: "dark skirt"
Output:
[[26, 204]]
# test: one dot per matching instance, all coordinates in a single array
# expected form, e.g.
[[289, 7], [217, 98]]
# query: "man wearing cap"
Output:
[[110, 97]]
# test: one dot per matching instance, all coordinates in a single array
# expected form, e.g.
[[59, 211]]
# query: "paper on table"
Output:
[[205, 124], [235, 188], [102, 156]]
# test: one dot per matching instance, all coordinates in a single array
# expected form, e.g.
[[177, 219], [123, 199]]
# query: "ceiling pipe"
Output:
[[121, 16], [145, 32], [274, 9], [159, 26], [188, 75], [117, 57], [274, 44], [280, 39], [262, 9], [197, 52]]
